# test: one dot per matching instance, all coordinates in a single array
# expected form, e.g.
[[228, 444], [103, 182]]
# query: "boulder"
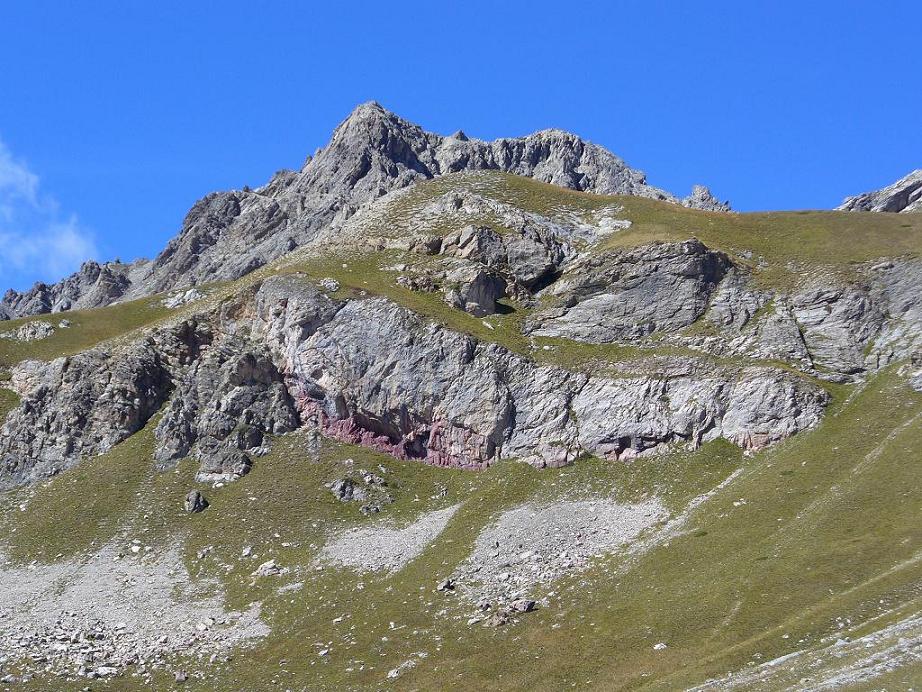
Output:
[[195, 502]]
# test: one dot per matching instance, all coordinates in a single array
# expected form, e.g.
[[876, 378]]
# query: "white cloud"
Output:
[[35, 243]]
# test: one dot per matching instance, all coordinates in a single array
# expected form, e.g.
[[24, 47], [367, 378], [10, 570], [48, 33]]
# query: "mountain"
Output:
[[227, 235], [500, 415], [905, 195]]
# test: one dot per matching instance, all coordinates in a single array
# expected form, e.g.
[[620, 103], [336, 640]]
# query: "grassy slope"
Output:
[[829, 529], [88, 328], [788, 241], [8, 401]]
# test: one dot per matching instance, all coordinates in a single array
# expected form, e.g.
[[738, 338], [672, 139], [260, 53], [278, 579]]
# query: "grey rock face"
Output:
[[195, 502], [905, 195], [371, 153], [93, 286], [227, 235], [474, 290], [226, 402], [631, 294], [735, 302], [832, 328], [837, 325], [366, 371], [81, 406], [370, 372], [896, 287], [528, 258], [378, 375]]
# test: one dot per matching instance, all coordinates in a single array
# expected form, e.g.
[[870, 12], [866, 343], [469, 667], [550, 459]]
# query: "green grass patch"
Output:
[[8, 401], [87, 328], [80, 509]]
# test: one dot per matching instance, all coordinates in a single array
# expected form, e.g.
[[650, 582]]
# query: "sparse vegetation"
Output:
[[818, 531]]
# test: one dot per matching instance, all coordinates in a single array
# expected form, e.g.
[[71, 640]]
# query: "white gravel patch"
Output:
[[109, 613], [385, 547], [537, 543]]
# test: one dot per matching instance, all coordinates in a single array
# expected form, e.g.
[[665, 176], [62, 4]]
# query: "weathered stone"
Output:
[[475, 290], [523, 605], [195, 502], [226, 403], [345, 490], [905, 195], [631, 294], [375, 374], [30, 331]]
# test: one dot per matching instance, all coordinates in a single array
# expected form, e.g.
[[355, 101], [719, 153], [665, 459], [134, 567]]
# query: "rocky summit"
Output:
[[373, 152], [437, 412]]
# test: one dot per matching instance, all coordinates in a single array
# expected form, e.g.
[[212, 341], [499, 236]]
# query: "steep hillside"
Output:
[[483, 423]]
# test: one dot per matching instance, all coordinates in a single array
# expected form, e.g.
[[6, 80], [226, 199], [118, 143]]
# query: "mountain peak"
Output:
[[371, 153], [368, 114]]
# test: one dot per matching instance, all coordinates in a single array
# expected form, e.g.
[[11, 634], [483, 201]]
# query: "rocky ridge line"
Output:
[[229, 234]]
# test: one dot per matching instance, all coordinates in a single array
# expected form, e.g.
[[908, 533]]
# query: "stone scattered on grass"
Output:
[[175, 300], [385, 547], [523, 605], [535, 544], [195, 502], [269, 569], [100, 617]]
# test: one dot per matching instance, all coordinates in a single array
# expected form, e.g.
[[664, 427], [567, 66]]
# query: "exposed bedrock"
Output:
[[83, 405], [626, 295], [365, 370], [903, 196], [229, 234], [376, 374], [225, 404]]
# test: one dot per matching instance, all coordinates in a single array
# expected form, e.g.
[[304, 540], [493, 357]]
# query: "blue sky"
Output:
[[116, 116]]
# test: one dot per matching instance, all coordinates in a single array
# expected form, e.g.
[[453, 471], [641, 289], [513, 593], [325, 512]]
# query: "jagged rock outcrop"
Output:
[[627, 295], [371, 153], [224, 405], [529, 258], [83, 405], [368, 371], [94, 285], [474, 290], [830, 327], [30, 331], [701, 198], [229, 234], [905, 195]]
